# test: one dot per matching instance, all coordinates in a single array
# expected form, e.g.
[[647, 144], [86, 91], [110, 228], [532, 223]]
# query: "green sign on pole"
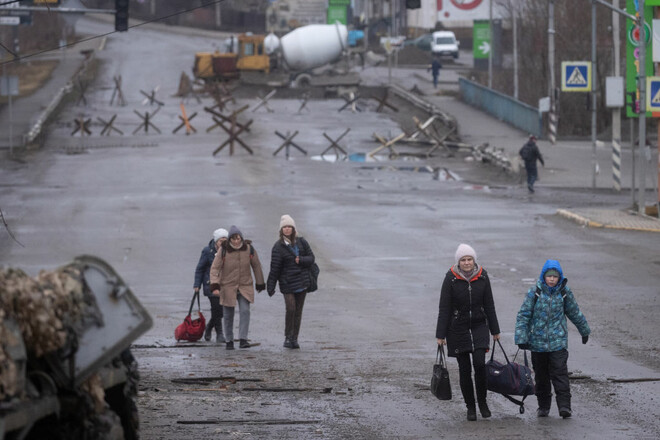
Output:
[[337, 13], [481, 44], [633, 38]]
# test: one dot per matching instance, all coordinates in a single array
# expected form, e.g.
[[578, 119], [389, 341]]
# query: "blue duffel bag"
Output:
[[510, 379]]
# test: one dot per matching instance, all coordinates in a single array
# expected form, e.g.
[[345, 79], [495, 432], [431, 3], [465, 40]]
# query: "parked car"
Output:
[[422, 42], [445, 44]]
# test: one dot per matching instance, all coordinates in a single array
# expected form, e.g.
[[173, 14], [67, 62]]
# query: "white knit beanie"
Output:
[[463, 251], [220, 233], [286, 220]]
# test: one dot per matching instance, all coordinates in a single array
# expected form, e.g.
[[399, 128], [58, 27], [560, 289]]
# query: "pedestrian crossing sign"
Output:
[[576, 76], [653, 94]]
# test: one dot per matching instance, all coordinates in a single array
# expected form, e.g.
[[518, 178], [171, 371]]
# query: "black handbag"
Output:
[[440, 386], [510, 378]]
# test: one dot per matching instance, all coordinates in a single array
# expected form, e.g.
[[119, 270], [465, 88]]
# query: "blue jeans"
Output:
[[244, 314]]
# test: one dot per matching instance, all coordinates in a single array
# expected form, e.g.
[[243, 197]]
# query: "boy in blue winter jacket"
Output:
[[541, 327]]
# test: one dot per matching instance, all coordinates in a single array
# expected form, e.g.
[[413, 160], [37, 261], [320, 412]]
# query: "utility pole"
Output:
[[594, 89], [552, 116], [642, 103], [616, 112], [515, 54], [490, 52]]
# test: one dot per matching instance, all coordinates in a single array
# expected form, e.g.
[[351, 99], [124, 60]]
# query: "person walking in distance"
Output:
[[231, 280], [541, 327], [202, 278], [530, 154], [465, 317], [290, 260], [435, 70]]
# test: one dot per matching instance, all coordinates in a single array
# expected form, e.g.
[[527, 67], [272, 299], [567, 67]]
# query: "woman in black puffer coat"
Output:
[[465, 317], [290, 261]]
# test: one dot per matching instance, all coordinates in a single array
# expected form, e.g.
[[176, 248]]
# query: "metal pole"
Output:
[[616, 112], [642, 103], [515, 55], [633, 182], [218, 20], [552, 117], [593, 95], [490, 52]]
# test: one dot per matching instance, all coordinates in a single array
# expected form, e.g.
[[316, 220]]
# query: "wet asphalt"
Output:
[[383, 237]]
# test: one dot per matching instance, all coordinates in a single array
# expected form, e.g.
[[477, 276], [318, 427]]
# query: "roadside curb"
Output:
[[612, 219]]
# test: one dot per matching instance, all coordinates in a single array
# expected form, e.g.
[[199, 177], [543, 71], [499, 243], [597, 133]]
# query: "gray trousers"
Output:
[[244, 315]]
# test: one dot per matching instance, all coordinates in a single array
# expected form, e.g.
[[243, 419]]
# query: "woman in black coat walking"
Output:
[[202, 280], [466, 314], [290, 261]]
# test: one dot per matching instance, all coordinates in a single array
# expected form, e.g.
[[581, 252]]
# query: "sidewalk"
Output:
[[568, 164]]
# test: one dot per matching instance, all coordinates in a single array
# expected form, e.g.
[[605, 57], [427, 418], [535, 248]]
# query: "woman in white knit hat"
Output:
[[290, 261], [465, 317], [202, 280]]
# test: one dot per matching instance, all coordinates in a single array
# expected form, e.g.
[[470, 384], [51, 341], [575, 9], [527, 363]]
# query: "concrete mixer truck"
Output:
[[289, 60]]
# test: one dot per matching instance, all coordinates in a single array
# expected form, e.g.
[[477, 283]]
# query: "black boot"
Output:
[[230, 345], [565, 412], [542, 412], [208, 332], [484, 410], [244, 343], [471, 413], [294, 343], [288, 343]]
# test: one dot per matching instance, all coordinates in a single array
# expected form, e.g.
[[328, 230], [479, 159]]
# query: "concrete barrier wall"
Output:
[[503, 107]]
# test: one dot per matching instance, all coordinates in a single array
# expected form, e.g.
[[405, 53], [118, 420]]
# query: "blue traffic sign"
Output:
[[653, 94], [576, 76]]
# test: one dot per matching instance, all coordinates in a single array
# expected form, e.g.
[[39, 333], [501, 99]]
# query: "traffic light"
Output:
[[121, 15], [413, 4]]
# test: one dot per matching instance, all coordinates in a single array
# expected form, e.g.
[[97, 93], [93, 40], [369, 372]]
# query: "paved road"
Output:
[[383, 239]]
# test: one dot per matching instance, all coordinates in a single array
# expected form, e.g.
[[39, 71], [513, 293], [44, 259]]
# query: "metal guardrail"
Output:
[[37, 127], [482, 153], [503, 107]]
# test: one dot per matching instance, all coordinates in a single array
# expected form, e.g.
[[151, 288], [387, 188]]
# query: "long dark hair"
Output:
[[293, 236]]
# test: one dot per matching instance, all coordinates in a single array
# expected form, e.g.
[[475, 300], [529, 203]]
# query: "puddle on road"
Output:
[[439, 173]]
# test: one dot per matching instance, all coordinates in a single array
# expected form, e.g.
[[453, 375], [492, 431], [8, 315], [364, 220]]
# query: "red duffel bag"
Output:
[[191, 329]]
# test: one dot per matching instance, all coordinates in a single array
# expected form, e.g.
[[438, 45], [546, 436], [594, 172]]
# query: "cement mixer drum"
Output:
[[314, 45]]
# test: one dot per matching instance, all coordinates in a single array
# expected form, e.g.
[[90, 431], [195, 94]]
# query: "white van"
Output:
[[444, 44]]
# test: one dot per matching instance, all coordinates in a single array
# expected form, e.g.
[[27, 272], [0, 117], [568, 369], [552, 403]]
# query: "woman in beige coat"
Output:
[[231, 280]]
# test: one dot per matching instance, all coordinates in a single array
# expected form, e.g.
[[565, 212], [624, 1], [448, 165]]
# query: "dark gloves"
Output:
[[260, 287], [523, 346], [213, 287], [585, 339], [271, 293]]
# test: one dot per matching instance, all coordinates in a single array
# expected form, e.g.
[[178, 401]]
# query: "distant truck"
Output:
[[444, 43], [85, 388], [291, 58]]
